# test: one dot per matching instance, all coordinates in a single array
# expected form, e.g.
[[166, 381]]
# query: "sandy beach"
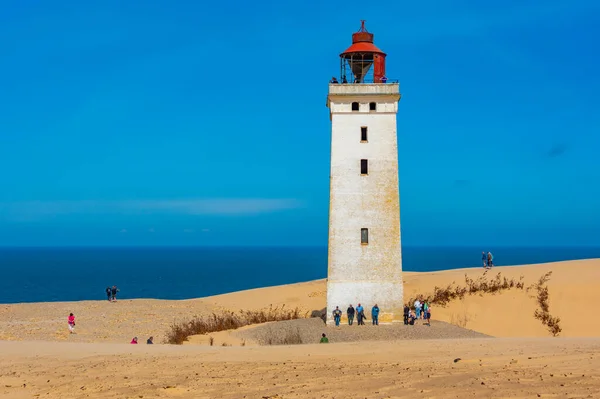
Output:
[[504, 350]]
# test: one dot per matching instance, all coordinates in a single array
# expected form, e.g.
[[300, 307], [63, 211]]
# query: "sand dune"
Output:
[[525, 362], [573, 289], [572, 286]]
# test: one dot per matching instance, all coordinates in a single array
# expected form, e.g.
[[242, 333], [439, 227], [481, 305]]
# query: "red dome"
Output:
[[362, 42]]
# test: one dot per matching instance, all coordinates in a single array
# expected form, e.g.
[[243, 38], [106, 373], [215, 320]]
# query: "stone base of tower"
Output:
[[389, 296]]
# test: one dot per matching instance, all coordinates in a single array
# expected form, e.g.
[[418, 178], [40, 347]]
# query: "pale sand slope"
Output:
[[503, 367], [103, 321], [574, 293]]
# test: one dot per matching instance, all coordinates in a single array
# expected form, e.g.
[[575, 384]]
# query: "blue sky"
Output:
[[181, 123]]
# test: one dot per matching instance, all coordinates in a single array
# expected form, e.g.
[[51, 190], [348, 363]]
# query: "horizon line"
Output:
[[175, 246]]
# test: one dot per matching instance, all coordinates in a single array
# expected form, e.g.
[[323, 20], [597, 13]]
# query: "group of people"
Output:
[[487, 259], [71, 322], [383, 79], [421, 311], [111, 293], [149, 341], [359, 312]]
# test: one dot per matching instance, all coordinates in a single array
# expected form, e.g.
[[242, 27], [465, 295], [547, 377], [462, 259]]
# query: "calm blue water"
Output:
[[71, 274]]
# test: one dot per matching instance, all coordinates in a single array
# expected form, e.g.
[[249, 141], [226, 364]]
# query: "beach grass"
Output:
[[227, 320]]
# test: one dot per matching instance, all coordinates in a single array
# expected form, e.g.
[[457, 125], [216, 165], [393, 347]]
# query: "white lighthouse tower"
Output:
[[365, 260]]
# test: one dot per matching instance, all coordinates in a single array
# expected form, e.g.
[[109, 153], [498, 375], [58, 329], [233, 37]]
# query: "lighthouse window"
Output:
[[363, 134], [364, 236], [372, 106], [354, 106], [364, 166]]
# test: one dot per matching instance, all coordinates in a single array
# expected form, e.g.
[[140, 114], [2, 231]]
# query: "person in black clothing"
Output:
[[406, 313], [411, 319], [350, 312], [114, 291], [150, 341], [108, 293]]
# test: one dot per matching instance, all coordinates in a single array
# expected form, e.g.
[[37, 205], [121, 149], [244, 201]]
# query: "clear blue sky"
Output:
[[171, 122]]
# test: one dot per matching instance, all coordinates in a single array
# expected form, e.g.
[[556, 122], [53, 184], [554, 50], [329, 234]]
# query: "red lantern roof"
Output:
[[362, 42]]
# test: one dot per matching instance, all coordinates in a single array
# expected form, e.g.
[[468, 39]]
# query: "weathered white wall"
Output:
[[357, 273]]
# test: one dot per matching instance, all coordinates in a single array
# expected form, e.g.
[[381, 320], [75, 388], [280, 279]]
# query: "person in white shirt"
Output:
[[418, 308]]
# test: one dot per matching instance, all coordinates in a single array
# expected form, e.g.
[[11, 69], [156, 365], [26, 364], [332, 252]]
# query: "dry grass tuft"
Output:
[[543, 313], [443, 295], [179, 332], [290, 337]]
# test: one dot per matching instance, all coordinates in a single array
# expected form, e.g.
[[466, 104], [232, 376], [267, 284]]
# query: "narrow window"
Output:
[[363, 134], [372, 106], [364, 167], [364, 236], [354, 106]]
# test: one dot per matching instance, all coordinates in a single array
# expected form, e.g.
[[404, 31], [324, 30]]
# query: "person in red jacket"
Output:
[[71, 323]]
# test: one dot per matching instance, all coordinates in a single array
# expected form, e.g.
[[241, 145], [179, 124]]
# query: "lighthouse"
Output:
[[364, 251]]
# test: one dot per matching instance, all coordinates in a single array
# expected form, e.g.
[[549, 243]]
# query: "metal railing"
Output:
[[365, 81]]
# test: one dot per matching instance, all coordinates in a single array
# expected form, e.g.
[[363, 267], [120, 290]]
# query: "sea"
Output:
[[75, 274]]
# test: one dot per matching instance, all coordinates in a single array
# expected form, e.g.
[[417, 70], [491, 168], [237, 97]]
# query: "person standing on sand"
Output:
[[114, 291], [360, 315], [418, 308], [350, 314], [71, 320], [375, 315], [406, 313], [484, 259], [324, 339], [108, 293], [337, 315], [490, 260], [428, 315]]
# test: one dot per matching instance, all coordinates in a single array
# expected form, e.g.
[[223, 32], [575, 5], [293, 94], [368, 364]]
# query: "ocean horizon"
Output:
[[47, 274]]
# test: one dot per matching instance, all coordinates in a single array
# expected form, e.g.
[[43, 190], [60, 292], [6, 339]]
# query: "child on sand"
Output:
[[324, 339], [412, 318], [134, 340], [71, 323]]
